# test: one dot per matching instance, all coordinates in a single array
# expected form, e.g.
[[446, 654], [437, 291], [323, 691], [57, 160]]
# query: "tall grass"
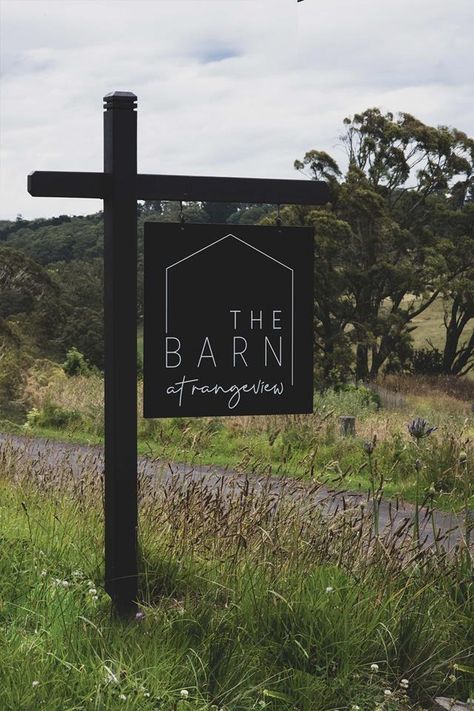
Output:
[[251, 597], [308, 446]]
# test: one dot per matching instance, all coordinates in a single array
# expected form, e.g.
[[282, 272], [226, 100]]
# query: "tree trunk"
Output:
[[362, 362], [456, 357]]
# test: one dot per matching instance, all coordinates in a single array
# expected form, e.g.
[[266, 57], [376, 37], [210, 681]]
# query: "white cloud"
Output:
[[225, 87]]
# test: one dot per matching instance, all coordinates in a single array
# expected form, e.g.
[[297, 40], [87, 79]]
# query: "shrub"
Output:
[[76, 364], [52, 416], [349, 399], [427, 361], [11, 375]]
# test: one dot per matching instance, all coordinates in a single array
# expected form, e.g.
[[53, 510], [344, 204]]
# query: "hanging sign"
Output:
[[228, 320]]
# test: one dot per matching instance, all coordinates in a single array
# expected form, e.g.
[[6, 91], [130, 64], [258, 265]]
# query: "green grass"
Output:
[[245, 607]]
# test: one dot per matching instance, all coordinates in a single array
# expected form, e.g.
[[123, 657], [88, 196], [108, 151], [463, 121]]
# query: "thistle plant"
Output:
[[419, 429], [369, 448]]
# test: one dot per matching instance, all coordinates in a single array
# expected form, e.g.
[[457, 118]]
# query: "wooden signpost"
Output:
[[120, 187]]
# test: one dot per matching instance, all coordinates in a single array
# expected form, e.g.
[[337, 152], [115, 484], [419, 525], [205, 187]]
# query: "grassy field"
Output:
[[439, 466], [249, 599], [259, 604]]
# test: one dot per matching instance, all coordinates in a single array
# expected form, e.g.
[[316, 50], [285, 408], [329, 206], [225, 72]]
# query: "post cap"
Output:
[[120, 95], [120, 99]]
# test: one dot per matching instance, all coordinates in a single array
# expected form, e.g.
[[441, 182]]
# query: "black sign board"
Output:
[[228, 320]]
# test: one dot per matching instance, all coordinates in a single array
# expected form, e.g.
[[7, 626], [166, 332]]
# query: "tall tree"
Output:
[[396, 264]]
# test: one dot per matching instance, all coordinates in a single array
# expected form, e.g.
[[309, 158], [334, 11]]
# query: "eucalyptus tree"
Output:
[[394, 262]]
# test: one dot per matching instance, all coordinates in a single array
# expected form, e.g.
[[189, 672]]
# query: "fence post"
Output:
[[348, 425]]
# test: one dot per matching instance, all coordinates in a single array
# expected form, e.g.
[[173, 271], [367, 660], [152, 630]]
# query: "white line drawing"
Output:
[[256, 250]]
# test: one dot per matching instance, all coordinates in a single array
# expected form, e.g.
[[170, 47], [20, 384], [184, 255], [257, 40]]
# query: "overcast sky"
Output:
[[225, 87]]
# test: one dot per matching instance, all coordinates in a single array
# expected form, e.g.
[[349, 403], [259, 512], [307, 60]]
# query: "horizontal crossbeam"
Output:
[[61, 184], [215, 189], [182, 187]]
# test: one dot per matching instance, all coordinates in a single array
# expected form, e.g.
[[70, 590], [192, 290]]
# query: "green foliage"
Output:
[[385, 247], [81, 289], [85, 330], [243, 608], [75, 363], [427, 361], [29, 296], [219, 212], [348, 399], [11, 375], [56, 240], [52, 416]]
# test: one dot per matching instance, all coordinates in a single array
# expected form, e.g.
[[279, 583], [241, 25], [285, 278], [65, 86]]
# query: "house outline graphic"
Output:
[[268, 256]]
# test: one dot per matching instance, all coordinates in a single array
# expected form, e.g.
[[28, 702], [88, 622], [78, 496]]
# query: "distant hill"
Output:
[[59, 239]]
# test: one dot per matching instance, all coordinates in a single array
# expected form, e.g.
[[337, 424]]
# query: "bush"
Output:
[[350, 399], [76, 364], [52, 416], [11, 376], [427, 361]]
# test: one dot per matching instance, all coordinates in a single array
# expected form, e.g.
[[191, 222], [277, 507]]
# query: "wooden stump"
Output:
[[348, 425]]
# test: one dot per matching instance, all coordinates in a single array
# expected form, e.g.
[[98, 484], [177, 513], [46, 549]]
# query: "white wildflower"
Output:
[[35, 683], [95, 597], [184, 693], [354, 707], [329, 589], [122, 697], [92, 591], [374, 667], [110, 677], [404, 683], [387, 692], [146, 694]]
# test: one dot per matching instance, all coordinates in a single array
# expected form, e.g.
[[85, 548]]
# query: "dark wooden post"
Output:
[[120, 304]]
